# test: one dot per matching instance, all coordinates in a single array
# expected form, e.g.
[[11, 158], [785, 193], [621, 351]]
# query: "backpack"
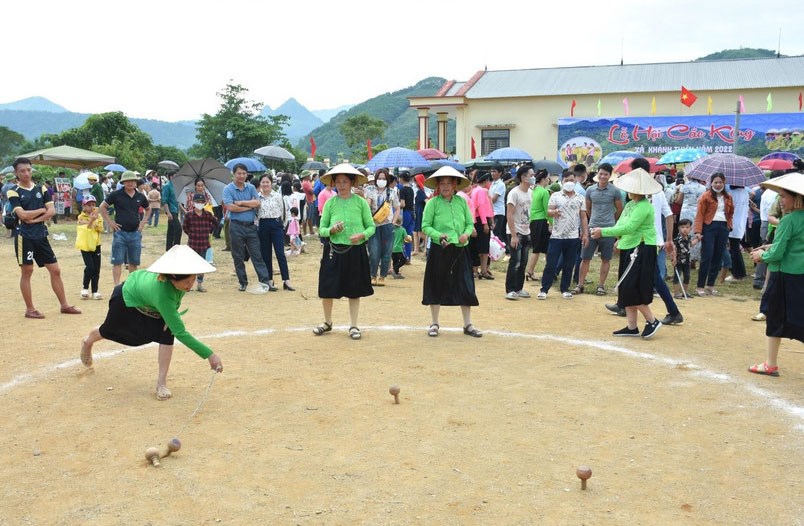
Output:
[[10, 219]]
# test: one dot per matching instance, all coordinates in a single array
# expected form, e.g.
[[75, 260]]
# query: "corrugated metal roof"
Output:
[[455, 89], [640, 78]]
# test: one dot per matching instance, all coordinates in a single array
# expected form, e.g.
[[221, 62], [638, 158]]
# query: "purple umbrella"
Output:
[[739, 171], [787, 156]]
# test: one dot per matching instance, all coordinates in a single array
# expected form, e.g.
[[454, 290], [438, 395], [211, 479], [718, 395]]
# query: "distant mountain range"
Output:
[[37, 115]]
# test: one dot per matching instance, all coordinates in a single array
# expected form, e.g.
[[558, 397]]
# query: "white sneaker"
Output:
[[541, 296], [566, 295], [97, 296], [85, 293], [523, 294], [513, 295]]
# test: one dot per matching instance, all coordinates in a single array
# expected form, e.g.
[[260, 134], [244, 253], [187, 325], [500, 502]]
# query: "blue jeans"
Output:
[[380, 246], [408, 221], [715, 237], [272, 239], [567, 250], [126, 248], [515, 277], [154, 217], [244, 237]]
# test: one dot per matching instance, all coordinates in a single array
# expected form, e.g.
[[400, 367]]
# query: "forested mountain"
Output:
[[744, 52]]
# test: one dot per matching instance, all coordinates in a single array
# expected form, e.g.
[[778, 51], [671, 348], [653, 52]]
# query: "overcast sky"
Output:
[[167, 59]]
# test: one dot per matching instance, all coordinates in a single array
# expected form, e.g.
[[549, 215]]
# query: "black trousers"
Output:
[[92, 266], [173, 232]]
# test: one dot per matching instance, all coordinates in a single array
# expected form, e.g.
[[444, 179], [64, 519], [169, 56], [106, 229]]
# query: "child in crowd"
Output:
[[199, 225], [88, 241], [401, 237], [294, 233], [684, 245]]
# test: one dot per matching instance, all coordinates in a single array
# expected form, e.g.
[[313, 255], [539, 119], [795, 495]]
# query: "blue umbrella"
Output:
[[787, 156], [509, 155], [397, 158], [615, 158], [252, 165], [682, 155], [115, 167]]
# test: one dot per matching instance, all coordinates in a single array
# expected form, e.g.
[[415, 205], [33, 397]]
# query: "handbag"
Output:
[[382, 212]]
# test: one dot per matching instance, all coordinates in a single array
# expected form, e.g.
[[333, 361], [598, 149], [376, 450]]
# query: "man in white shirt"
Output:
[[518, 228], [497, 196], [740, 197]]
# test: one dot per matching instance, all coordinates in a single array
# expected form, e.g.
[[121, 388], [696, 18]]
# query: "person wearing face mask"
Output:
[[381, 244], [518, 228], [712, 226], [198, 225]]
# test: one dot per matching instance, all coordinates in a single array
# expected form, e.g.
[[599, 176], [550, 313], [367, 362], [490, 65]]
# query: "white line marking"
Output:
[[775, 400]]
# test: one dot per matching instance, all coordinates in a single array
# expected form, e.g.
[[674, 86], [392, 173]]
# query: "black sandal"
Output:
[[321, 329], [354, 333], [470, 330], [433, 330]]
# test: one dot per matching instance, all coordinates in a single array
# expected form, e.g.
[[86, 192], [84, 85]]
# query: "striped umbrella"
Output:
[[397, 158], [739, 171]]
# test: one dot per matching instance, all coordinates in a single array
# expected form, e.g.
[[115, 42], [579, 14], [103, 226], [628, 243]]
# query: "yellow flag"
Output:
[[709, 106], [653, 106]]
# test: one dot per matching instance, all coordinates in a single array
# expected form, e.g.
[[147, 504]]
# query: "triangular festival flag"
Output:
[[572, 108], [368, 149], [800, 100], [770, 102], [625, 105], [600, 106], [709, 106], [653, 106], [474, 152], [312, 147], [742, 104], [688, 98]]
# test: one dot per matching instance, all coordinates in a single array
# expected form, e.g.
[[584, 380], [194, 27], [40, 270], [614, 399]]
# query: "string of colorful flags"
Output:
[[687, 98]]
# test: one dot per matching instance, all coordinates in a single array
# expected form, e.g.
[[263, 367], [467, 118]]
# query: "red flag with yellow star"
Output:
[[688, 98]]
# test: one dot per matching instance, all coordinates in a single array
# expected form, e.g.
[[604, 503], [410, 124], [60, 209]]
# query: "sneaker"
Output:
[[242, 287], [513, 295], [673, 319], [566, 295], [381, 281], [201, 288], [523, 294], [97, 296], [625, 331], [651, 328], [541, 295], [85, 293], [615, 309]]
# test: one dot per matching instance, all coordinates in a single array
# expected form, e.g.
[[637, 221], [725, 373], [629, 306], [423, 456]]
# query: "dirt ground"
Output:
[[300, 429]]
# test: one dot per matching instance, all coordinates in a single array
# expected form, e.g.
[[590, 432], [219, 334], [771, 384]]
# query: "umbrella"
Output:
[[115, 167], [775, 164], [275, 153], [682, 155], [509, 155], [314, 165], [397, 158], [480, 162], [168, 165], [739, 171], [68, 157], [624, 166], [787, 156], [209, 170], [7, 170], [214, 187], [252, 165], [614, 158], [435, 165], [431, 154], [81, 181], [552, 167]]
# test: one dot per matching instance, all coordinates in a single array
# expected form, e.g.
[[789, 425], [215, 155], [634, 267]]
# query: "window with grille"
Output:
[[493, 139]]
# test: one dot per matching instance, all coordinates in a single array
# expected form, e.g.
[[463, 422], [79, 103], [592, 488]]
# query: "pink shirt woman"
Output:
[[482, 205]]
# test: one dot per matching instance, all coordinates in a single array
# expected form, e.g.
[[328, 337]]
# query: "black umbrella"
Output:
[[314, 165], [214, 174], [552, 167]]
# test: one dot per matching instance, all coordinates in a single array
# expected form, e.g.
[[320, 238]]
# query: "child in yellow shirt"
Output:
[[88, 241]]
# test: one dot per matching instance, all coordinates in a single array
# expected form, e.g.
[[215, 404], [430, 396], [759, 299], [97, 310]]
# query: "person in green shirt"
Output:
[[539, 222], [145, 309], [448, 278], [783, 299], [401, 237], [637, 245], [347, 222]]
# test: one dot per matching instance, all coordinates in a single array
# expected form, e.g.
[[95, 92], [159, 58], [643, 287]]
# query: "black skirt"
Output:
[[539, 236], [344, 271], [131, 326], [448, 278], [483, 238], [636, 288], [783, 304]]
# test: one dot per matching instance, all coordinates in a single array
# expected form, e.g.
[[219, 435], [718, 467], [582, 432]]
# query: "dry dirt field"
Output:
[[300, 429]]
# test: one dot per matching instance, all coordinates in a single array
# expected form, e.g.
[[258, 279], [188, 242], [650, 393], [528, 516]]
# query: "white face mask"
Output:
[[532, 181], [568, 187], [717, 190], [381, 183], [198, 206]]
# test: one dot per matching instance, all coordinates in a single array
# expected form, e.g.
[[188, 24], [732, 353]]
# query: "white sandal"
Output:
[[163, 393]]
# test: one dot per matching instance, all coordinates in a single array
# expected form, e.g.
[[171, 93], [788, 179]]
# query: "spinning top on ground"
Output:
[[173, 446], [394, 390], [584, 473], [152, 454]]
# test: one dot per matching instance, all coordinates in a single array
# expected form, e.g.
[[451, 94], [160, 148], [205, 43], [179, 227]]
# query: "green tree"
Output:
[[360, 128], [10, 142], [237, 129]]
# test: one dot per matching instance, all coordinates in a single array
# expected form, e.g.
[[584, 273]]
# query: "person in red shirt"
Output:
[[309, 197], [198, 225]]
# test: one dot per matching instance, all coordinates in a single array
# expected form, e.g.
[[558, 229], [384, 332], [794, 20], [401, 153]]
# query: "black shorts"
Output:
[[30, 250]]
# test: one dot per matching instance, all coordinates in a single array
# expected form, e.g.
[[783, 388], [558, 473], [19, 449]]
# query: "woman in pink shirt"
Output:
[[483, 214]]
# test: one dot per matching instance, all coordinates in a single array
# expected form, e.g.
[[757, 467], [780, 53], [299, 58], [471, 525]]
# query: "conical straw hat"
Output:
[[181, 259], [343, 168], [792, 182], [447, 171], [638, 182]]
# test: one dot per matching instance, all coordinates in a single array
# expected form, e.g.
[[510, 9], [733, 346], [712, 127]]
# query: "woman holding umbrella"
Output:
[[638, 249], [711, 227], [346, 221], [448, 223], [783, 300]]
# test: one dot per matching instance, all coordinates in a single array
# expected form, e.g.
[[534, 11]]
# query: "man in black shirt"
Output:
[[406, 203], [33, 206], [127, 227]]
